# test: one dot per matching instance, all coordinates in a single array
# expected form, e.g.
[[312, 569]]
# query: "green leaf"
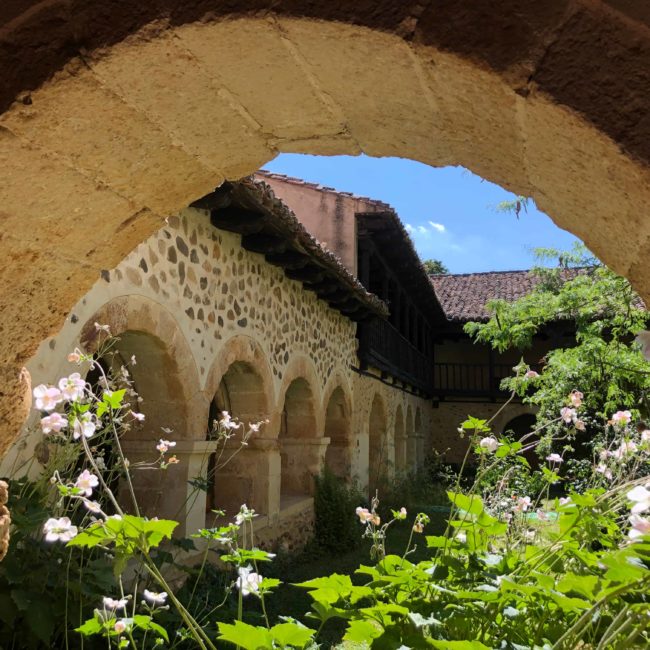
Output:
[[292, 634], [147, 623], [91, 537], [246, 636], [362, 631], [90, 627], [472, 504], [114, 398]]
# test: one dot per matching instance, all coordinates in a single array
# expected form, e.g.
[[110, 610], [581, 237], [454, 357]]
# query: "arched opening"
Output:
[[298, 439], [418, 440], [377, 444], [337, 429], [145, 361], [400, 440], [233, 469], [520, 426], [428, 88]]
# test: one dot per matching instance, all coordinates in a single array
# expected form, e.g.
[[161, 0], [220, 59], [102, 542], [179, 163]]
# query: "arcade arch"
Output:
[[338, 422], [378, 444]]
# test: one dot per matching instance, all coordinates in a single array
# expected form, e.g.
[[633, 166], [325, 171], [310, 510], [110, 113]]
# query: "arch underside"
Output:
[[126, 115]]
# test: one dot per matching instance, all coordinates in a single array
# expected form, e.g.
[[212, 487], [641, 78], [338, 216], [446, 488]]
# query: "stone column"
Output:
[[302, 459], [167, 493]]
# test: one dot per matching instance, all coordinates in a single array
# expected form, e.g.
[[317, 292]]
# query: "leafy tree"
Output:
[[434, 267], [605, 364]]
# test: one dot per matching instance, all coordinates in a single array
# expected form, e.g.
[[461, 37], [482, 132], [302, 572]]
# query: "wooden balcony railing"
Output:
[[383, 347], [470, 379]]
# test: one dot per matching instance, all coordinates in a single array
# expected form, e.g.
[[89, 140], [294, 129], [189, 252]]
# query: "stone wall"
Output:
[[448, 416], [204, 317]]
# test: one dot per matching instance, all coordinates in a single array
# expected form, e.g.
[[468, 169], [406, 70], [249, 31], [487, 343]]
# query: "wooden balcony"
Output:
[[383, 347], [470, 379]]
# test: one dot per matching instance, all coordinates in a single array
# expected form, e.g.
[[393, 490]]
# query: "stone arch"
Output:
[[377, 442], [165, 373], [248, 353], [302, 446], [165, 376], [302, 367], [399, 436], [338, 428], [240, 382], [106, 138]]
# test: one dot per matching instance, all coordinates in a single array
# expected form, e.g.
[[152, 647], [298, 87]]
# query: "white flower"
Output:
[[568, 415], [155, 598], [164, 445], [541, 515], [626, 448], [138, 416], [93, 506], [133, 360], [227, 422], [53, 423], [531, 374], [86, 481], [103, 328], [554, 458], [565, 501], [461, 537], [245, 514], [621, 418], [75, 356], [641, 497], [523, 503], [120, 626], [248, 581], [601, 468], [47, 397], [640, 527], [489, 444], [59, 530], [645, 435], [576, 398], [72, 388], [579, 425], [84, 425], [113, 604], [364, 514]]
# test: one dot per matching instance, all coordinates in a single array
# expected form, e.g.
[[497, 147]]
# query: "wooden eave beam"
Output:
[[264, 243]]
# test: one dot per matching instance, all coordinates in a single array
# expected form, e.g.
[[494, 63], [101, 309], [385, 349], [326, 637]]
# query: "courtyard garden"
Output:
[[501, 551]]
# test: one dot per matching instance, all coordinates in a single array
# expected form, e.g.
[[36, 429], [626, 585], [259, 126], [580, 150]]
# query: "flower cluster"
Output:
[[367, 517], [640, 497], [248, 582]]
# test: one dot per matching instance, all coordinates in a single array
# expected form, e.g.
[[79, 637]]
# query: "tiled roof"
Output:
[[463, 297], [263, 173]]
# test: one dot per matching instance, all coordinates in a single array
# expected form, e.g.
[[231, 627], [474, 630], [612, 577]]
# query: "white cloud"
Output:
[[437, 226], [409, 227], [422, 229]]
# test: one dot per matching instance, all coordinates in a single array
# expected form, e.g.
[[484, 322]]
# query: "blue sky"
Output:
[[449, 211]]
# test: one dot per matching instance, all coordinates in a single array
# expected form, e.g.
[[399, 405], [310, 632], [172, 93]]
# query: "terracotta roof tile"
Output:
[[463, 296]]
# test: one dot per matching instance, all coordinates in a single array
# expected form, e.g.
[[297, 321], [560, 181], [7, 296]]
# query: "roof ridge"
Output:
[[323, 188], [456, 275]]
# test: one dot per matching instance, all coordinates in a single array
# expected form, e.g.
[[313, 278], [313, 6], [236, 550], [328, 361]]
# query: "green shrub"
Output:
[[336, 528]]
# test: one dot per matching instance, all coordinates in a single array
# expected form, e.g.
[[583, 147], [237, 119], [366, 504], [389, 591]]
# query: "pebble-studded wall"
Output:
[[212, 303]]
